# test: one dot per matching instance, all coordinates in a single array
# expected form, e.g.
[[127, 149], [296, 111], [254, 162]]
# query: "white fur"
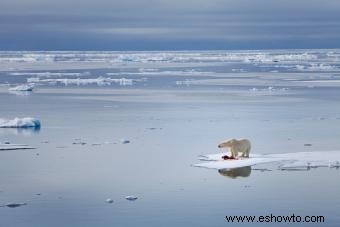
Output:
[[242, 146]]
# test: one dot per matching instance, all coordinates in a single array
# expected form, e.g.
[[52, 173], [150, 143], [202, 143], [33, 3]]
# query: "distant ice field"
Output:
[[260, 70]]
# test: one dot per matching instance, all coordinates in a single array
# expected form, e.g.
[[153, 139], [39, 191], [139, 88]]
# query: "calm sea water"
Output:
[[65, 183]]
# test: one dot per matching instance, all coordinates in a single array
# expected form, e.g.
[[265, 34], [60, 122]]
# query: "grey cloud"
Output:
[[165, 24]]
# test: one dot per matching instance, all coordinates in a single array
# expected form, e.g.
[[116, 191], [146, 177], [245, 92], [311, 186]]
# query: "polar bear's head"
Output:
[[228, 143]]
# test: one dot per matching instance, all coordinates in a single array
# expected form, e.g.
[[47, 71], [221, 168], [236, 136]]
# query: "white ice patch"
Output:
[[316, 67], [4, 147], [190, 72], [163, 57], [100, 81], [131, 197], [267, 89], [186, 82], [287, 161], [24, 87], [26, 122]]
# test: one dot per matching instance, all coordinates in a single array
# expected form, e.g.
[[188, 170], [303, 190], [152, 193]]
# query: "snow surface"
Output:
[[285, 161], [26, 122]]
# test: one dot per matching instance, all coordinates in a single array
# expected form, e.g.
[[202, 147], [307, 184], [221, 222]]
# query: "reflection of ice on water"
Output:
[[20, 131], [236, 172]]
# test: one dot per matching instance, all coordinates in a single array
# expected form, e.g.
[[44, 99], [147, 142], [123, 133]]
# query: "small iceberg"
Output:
[[109, 200], [24, 87], [26, 122], [131, 198], [124, 141]]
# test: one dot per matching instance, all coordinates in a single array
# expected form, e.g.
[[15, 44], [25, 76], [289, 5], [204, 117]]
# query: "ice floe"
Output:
[[316, 67], [124, 141], [186, 82], [299, 160], [189, 72], [26, 122], [268, 89], [109, 200], [131, 198], [9, 146], [24, 87], [100, 81]]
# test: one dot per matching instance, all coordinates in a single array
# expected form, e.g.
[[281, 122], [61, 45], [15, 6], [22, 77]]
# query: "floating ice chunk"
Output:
[[238, 70], [100, 81], [186, 82], [124, 141], [334, 164], [299, 160], [109, 200], [24, 87], [26, 122], [131, 198], [270, 89], [316, 67], [4, 147], [300, 67], [148, 70]]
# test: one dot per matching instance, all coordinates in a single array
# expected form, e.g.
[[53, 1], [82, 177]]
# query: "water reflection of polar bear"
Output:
[[236, 172]]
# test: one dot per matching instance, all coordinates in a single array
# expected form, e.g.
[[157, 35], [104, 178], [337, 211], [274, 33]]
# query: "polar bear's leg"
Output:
[[233, 152], [246, 153]]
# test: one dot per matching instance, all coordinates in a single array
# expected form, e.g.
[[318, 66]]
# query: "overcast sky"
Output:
[[168, 24]]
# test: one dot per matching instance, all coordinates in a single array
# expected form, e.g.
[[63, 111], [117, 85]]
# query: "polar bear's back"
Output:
[[243, 145]]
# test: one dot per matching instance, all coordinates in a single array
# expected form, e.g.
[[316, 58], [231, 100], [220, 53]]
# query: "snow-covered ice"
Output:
[[6, 146], [109, 200], [26, 122], [131, 197], [124, 141], [284, 161], [100, 81], [24, 87]]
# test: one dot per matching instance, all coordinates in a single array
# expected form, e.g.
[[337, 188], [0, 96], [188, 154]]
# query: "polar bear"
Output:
[[237, 146]]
